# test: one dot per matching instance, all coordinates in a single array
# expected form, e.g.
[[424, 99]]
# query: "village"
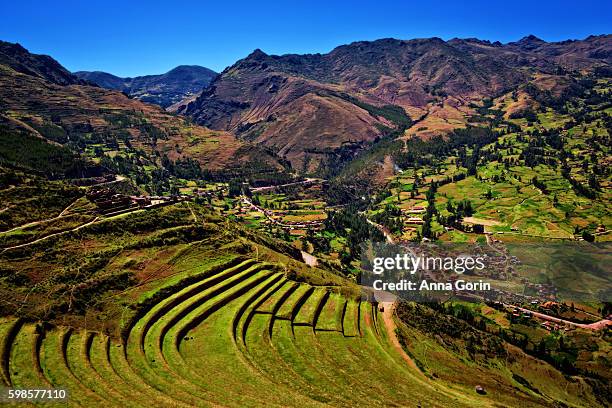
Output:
[[110, 203], [275, 217], [538, 301]]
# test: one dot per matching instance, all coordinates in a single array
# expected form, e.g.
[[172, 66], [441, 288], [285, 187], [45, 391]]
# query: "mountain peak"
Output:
[[530, 39], [42, 66], [163, 89], [529, 42], [257, 54], [191, 70], [12, 48]]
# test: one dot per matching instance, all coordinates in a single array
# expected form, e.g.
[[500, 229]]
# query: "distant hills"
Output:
[[318, 112], [163, 90], [43, 106], [319, 109]]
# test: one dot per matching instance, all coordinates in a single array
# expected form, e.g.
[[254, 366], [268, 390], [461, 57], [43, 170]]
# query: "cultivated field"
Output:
[[241, 335]]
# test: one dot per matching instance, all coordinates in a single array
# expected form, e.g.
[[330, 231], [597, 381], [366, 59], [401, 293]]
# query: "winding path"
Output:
[[295, 183], [384, 231], [52, 235], [592, 326], [33, 223], [389, 310]]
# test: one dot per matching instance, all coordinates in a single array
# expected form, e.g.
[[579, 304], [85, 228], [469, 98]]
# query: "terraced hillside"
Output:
[[179, 306], [204, 274], [242, 335]]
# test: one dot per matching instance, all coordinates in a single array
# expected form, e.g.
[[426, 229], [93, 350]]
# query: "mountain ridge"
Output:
[[42, 66], [164, 89], [42, 104], [287, 102]]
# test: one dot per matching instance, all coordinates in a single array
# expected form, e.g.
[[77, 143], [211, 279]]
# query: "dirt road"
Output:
[[34, 223], [296, 183], [382, 229], [389, 309], [52, 235], [593, 326]]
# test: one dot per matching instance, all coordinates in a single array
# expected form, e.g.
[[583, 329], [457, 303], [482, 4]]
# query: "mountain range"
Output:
[[315, 112], [163, 90], [232, 229], [42, 102], [316, 109]]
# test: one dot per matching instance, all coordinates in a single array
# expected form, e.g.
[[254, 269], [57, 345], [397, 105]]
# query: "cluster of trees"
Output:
[[352, 225], [452, 179], [318, 241], [553, 350], [444, 322], [186, 168], [528, 114], [540, 185], [535, 154], [419, 153], [237, 188], [431, 210], [460, 311], [270, 178], [391, 218], [606, 309], [585, 234], [22, 151], [463, 208], [578, 187]]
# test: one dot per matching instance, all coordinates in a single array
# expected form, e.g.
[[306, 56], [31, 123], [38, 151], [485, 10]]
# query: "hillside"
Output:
[[163, 90], [123, 135], [42, 66], [131, 307], [324, 108], [218, 255]]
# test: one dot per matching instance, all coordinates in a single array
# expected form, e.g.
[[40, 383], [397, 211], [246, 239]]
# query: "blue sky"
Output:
[[130, 38]]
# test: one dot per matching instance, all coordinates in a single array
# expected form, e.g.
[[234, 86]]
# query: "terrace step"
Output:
[[99, 358], [77, 356], [268, 341]]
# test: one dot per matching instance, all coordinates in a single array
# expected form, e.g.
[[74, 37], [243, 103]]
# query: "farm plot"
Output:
[[240, 335]]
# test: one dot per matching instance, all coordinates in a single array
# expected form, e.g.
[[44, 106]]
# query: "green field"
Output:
[[230, 323]]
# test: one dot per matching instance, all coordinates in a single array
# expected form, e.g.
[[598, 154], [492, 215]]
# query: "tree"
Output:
[[449, 206], [593, 183], [541, 348], [587, 236], [235, 188]]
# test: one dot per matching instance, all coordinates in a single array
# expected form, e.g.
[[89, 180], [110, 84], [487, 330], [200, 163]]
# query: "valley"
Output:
[[201, 239]]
